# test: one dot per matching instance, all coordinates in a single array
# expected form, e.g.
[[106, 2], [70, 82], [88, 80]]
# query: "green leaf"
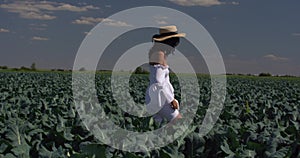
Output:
[[247, 107], [227, 150], [195, 144], [44, 152], [255, 146], [96, 150], [130, 155], [281, 153], [3, 147], [249, 153], [9, 155], [67, 134], [35, 131], [170, 152], [14, 134], [21, 150]]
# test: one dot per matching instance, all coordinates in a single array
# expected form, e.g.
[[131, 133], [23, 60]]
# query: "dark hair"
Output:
[[173, 42]]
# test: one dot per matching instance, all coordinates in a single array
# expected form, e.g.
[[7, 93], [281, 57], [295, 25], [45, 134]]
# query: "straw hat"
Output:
[[167, 32]]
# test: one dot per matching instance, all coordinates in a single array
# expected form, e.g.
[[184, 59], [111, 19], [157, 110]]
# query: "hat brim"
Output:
[[170, 36]]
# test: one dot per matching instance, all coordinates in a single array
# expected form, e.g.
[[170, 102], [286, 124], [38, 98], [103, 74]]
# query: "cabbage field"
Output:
[[38, 118]]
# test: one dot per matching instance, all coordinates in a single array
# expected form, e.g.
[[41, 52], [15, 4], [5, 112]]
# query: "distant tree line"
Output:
[[263, 74], [23, 68], [140, 70], [3, 67], [31, 68]]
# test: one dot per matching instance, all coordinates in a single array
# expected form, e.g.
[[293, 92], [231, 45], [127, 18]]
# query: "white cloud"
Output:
[[36, 38], [87, 33], [69, 7], [4, 30], [235, 3], [295, 34], [36, 15], [82, 3], [205, 3], [40, 9], [116, 23], [161, 20], [87, 21], [274, 57], [94, 21], [39, 27]]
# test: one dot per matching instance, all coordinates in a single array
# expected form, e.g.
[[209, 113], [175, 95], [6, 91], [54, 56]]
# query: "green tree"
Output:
[[33, 66], [140, 70], [264, 74], [24, 68], [3, 67], [82, 69]]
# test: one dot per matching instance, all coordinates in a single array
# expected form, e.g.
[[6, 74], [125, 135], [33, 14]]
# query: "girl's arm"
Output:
[[162, 80]]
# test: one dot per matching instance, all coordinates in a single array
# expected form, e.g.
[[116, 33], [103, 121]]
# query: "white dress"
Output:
[[160, 94]]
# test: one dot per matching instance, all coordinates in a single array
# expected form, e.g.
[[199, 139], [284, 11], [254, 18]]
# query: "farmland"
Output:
[[38, 118]]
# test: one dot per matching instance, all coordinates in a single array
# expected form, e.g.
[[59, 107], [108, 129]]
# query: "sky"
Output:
[[252, 36]]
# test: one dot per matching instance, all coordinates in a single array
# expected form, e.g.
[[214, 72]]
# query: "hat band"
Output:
[[164, 35], [168, 34]]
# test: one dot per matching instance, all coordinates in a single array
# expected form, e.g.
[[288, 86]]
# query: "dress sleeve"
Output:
[[168, 90], [162, 81], [160, 76], [168, 94]]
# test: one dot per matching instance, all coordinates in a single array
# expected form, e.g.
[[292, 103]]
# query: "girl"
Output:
[[160, 93]]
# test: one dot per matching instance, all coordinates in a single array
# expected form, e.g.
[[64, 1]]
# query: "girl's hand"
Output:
[[175, 104]]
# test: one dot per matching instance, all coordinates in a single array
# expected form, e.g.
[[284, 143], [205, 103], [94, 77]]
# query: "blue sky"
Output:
[[253, 36]]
